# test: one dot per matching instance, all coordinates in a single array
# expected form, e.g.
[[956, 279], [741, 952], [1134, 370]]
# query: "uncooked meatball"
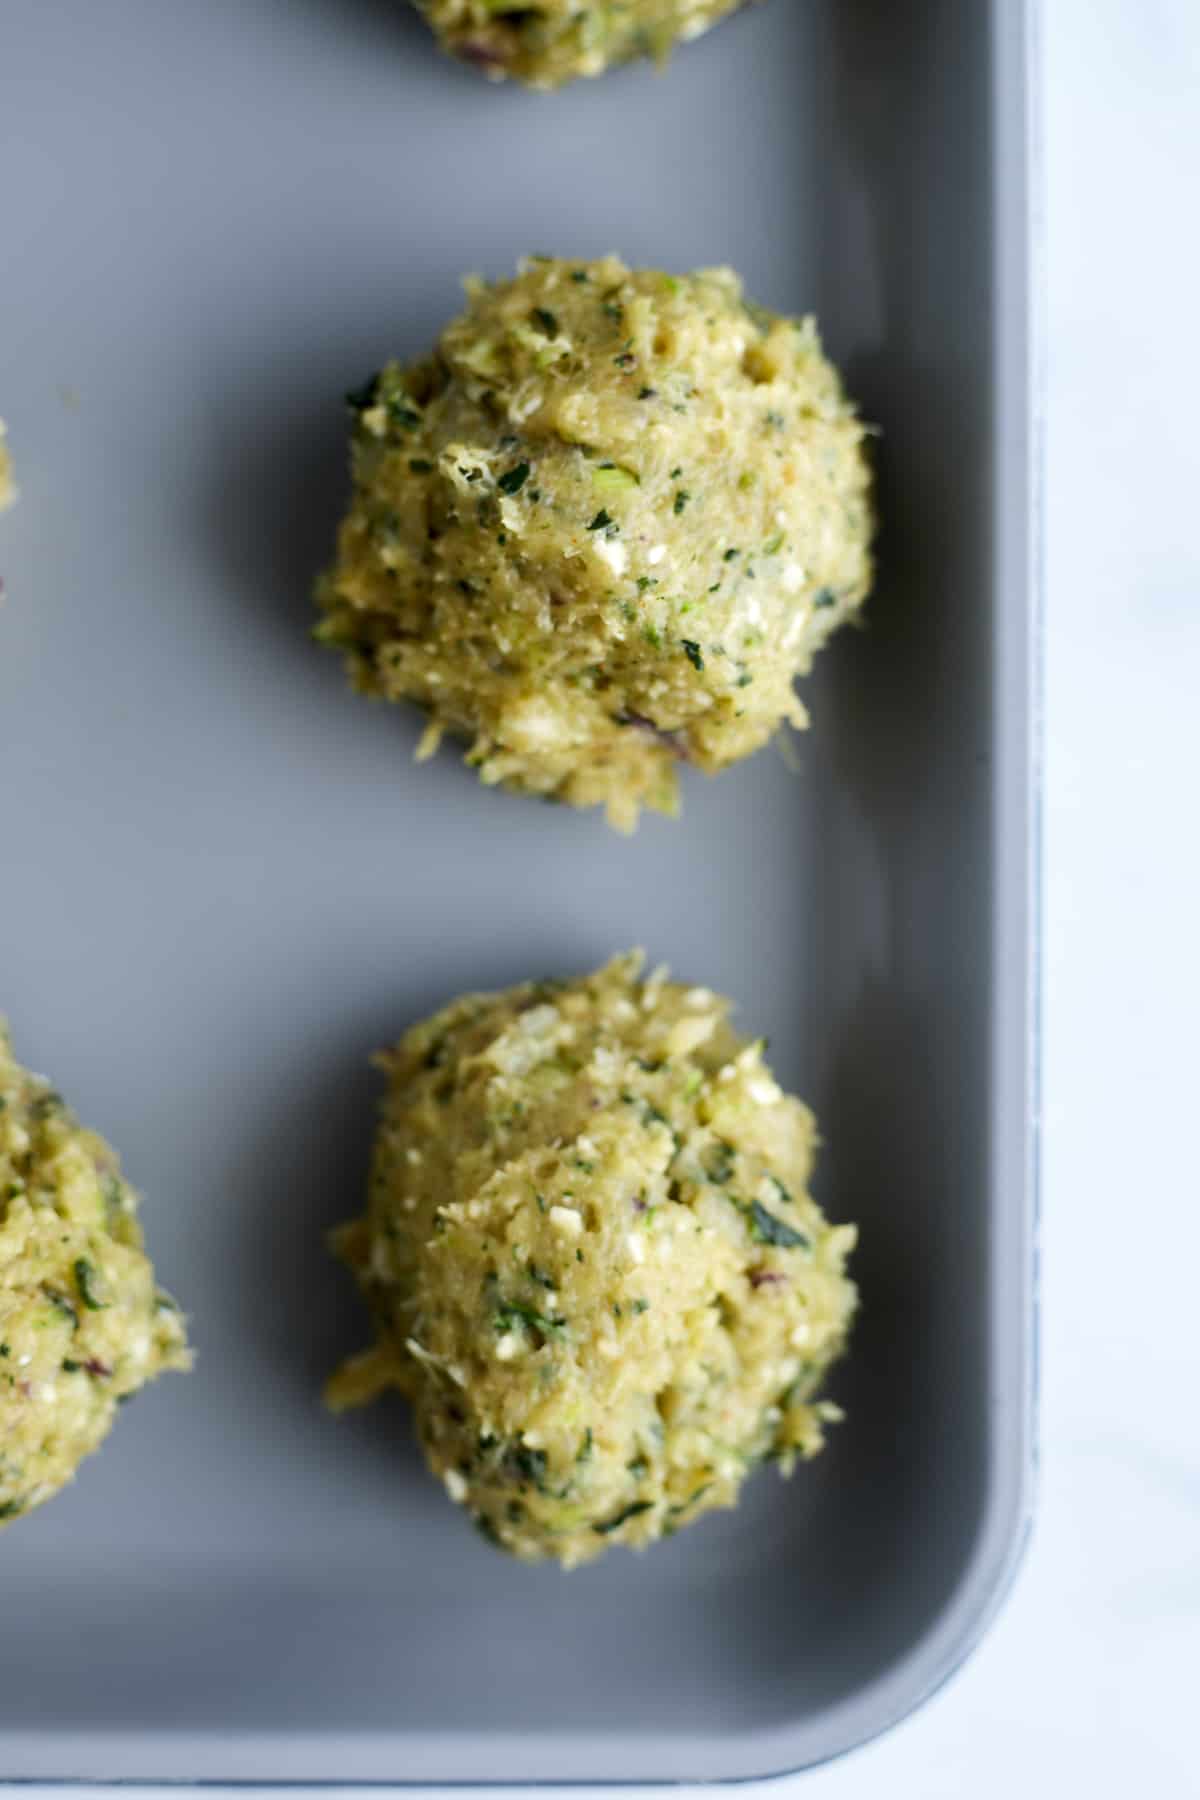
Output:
[[593, 1261], [555, 41], [602, 529], [82, 1323], [8, 491]]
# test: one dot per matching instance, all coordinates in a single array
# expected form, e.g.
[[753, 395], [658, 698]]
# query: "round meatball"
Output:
[[602, 529], [82, 1324], [593, 1261], [557, 40]]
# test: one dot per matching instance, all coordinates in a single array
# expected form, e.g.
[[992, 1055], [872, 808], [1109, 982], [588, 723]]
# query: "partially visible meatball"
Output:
[[82, 1323], [593, 1261], [554, 41], [8, 492], [602, 529]]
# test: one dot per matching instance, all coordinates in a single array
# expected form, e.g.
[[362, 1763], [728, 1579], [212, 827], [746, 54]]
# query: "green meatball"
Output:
[[602, 529], [82, 1323], [593, 1261], [556, 41]]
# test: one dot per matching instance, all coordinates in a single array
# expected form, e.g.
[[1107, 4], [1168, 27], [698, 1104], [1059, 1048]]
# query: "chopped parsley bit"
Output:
[[514, 479], [825, 597], [585, 1449], [626, 360], [681, 500], [529, 1465], [629, 1512], [641, 1306], [546, 320], [652, 636], [511, 1314], [580, 275], [648, 393], [765, 1228], [646, 581], [730, 554], [579, 1256], [85, 1280], [693, 653], [601, 521], [10, 1509], [614, 310], [361, 399], [774, 545], [745, 679], [675, 473], [420, 465]]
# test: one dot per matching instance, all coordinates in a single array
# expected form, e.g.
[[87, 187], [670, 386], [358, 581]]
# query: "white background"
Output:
[[1092, 1675]]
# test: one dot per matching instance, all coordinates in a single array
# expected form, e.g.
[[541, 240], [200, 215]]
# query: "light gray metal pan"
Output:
[[225, 883]]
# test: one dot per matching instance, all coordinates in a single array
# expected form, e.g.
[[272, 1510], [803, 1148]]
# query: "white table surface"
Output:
[[1092, 1674]]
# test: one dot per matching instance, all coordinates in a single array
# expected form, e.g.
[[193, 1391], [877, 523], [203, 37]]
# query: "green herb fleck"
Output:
[[546, 320], [693, 653], [765, 1228], [681, 500], [511, 1313], [85, 1280], [601, 521], [361, 399], [629, 1512], [824, 597], [514, 479]]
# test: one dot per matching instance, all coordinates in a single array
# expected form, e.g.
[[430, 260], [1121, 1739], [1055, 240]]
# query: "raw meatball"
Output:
[[602, 529], [556, 40], [593, 1261], [8, 492], [82, 1324]]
